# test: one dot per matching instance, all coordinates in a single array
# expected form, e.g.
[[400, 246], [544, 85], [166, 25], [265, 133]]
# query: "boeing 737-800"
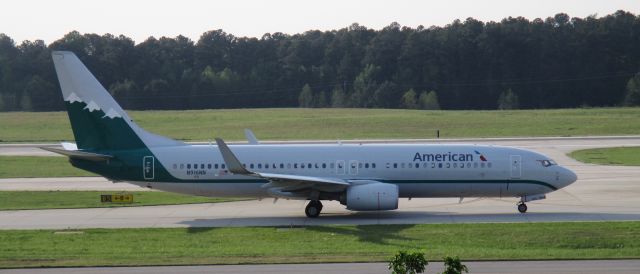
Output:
[[359, 176]]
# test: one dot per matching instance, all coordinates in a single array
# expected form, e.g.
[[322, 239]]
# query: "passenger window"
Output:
[[448, 165], [281, 165], [475, 165], [488, 164], [455, 165], [188, 166], [201, 166], [208, 166], [433, 165], [251, 166], [259, 166], [366, 165], [373, 165], [181, 166], [359, 165], [175, 166], [301, 165], [324, 165], [295, 165], [215, 166], [222, 166], [309, 165], [417, 165], [266, 166], [289, 165], [402, 165], [332, 165], [468, 165], [395, 165], [482, 165], [439, 165]]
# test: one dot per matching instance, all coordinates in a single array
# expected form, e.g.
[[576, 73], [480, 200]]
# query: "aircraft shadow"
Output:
[[405, 218]]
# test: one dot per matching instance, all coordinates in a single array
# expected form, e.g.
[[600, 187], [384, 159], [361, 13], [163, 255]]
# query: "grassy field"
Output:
[[11, 200], [366, 243], [344, 124], [31, 167], [620, 156]]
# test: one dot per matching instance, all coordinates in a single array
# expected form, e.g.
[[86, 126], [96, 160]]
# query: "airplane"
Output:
[[363, 177]]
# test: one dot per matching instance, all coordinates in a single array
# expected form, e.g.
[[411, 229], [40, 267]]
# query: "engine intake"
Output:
[[372, 196]]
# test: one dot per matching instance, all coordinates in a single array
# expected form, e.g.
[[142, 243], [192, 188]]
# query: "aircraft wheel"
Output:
[[522, 207], [313, 209]]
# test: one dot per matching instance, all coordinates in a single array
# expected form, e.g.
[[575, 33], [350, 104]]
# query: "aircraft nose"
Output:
[[566, 177]]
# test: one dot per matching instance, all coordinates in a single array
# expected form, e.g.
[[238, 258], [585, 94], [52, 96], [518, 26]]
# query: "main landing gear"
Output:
[[522, 207], [313, 209]]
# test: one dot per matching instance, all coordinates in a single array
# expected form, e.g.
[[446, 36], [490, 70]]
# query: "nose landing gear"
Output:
[[522, 207], [313, 209]]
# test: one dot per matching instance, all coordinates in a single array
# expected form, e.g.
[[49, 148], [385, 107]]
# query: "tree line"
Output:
[[557, 62]]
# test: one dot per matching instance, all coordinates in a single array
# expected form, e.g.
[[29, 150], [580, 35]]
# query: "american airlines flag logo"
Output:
[[482, 158]]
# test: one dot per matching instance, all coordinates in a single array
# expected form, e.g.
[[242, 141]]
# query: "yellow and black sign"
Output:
[[117, 198]]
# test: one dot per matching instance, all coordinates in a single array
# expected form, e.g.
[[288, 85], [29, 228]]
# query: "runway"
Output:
[[522, 267], [602, 193]]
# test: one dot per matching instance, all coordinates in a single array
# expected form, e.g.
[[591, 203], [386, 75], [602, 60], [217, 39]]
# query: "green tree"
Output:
[[25, 102], [429, 101], [632, 98], [41, 95], [508, 100], [364, 87], [338, 98], [320, 100], [305, 99], [454, 266], [408, 263], [409, 100]]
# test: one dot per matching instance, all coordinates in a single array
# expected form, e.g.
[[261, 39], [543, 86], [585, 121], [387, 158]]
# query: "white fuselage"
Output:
[[418, 170]]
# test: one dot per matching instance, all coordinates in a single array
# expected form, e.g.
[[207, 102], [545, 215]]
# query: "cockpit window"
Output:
[[547, 163]]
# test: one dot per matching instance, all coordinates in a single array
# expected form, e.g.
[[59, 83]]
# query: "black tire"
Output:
[[522, 208], [313, 209]]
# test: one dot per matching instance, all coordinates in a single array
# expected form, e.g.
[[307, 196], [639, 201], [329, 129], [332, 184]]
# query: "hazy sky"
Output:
[[138, 19]]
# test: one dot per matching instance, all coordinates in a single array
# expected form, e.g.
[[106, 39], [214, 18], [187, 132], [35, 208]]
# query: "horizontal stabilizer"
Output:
[[76, 154]]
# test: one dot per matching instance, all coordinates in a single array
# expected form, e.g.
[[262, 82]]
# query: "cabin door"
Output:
[[516, 166], [148, 167]]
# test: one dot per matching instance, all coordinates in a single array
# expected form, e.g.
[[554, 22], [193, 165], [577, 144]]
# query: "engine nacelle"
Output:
[[372, 196]]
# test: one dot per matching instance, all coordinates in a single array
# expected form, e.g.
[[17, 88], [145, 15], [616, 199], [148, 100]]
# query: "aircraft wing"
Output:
[[281, 182]]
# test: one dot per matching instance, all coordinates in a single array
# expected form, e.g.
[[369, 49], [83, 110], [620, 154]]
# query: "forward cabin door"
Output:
[[516, 166]]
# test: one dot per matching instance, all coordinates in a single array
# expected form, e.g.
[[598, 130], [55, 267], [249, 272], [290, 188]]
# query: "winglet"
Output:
[[251, 138], [230, 159]]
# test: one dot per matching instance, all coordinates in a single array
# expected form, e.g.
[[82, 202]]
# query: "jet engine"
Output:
[[372, 196]]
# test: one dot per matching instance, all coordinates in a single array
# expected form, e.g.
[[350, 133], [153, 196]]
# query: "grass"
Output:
[[14, 200], [365, 243], [344, 124], [620, 156], [33, 167]]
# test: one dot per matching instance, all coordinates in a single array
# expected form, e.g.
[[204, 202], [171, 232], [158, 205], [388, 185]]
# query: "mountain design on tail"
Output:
[[98, 122]]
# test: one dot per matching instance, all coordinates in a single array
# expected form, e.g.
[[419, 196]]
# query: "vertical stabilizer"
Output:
[[98, 122]]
